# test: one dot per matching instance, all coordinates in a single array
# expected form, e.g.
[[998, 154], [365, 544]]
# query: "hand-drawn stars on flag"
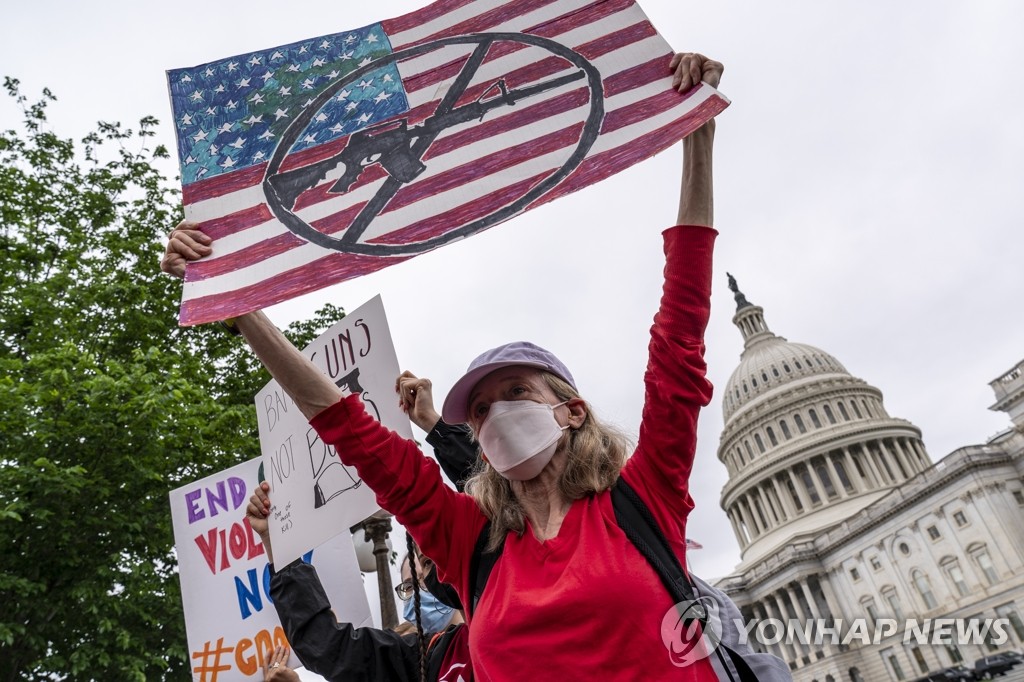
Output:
[[259, 94]]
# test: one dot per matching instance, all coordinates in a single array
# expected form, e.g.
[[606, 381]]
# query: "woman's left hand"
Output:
[[691, 68]]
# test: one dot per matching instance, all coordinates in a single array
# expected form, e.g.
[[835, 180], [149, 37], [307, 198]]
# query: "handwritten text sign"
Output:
[[225, 579], [314, 496]]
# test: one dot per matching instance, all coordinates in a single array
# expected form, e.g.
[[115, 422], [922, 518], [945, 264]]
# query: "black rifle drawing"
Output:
[[398, 148]]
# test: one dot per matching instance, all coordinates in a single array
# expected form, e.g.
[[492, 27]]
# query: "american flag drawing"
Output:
[[330, 158]]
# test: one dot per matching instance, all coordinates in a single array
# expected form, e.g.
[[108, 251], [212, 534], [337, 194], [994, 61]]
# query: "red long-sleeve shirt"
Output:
[[585, 603]]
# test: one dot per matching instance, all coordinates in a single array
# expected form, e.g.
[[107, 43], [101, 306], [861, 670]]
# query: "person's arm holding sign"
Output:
[[337, 651], [676, 386], [311, 390]]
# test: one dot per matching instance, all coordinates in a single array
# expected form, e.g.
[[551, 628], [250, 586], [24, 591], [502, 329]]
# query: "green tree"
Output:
[[106, 405]]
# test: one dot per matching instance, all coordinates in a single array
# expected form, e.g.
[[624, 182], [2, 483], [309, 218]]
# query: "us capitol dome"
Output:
[[805, 442], [840, 514]]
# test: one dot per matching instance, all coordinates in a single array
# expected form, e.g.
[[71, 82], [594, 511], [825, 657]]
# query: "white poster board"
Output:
[[313, 495], [230, 621]]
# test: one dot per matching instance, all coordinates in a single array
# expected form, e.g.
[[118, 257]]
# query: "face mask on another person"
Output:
[[519, 437], [434, 616]]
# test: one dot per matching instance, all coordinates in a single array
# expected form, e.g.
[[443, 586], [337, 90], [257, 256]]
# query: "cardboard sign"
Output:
[[230, 620], [330, 158], [313, 495]]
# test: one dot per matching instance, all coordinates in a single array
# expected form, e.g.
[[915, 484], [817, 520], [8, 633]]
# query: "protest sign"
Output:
[[314, 495], [329, 158], [225, 579]]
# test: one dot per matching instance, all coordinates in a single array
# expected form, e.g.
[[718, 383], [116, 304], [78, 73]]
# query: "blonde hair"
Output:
[[595, 453]]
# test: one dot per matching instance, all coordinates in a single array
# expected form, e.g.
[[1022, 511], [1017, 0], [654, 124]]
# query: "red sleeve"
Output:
[[675, 382], [444, 523]]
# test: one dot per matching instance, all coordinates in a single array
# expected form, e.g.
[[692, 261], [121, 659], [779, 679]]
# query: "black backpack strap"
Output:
[[640, 526], [481, 564], [636, 521]]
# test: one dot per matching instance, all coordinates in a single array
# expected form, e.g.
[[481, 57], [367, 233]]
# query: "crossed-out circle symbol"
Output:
[[282, 188]]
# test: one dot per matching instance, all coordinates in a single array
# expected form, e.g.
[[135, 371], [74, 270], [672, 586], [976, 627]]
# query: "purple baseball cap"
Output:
[[455, 409]]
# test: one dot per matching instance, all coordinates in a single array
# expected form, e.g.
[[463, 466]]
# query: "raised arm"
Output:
[[453, 445], [406, 483], [696, 198], [311, 390], [335, 650], [676, 385]]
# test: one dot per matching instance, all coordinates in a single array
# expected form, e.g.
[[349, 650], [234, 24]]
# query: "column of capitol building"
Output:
[[841, 514]]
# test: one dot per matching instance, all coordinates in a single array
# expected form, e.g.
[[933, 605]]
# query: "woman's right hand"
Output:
[[186, 243]]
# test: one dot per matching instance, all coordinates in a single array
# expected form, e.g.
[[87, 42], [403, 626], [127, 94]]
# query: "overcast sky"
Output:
[[869, 196]]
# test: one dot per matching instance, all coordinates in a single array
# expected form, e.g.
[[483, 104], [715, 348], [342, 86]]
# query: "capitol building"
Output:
[[841, 514]]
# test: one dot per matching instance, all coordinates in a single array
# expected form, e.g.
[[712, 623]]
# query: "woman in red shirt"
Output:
[[570, 597]]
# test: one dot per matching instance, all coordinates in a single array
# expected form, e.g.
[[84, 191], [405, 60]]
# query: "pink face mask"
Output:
[[520, 437]]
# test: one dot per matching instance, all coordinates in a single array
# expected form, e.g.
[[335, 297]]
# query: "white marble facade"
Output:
[[841, 514]]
